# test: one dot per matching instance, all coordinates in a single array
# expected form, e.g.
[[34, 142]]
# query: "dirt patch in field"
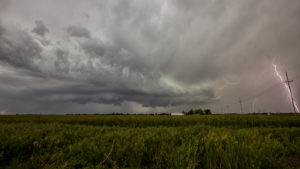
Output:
[[292, 161]]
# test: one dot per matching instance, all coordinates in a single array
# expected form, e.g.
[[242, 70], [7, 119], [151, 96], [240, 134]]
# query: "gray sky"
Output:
[[133, 56]]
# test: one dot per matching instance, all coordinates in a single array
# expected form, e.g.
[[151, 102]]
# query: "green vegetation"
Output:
[[198, 112], [212, 141]]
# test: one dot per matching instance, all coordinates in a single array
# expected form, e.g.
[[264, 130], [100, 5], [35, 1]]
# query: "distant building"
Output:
[[177, 114]]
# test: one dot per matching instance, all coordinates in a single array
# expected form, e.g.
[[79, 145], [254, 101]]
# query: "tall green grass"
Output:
[[228, 142], [240, 121]]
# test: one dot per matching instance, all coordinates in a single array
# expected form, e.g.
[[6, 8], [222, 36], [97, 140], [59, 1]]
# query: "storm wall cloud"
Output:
[[146, 56]]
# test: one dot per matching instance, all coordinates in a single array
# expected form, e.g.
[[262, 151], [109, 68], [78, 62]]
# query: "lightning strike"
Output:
[[286, 86]]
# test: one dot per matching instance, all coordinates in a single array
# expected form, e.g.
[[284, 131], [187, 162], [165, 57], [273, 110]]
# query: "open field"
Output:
[[212, 141]]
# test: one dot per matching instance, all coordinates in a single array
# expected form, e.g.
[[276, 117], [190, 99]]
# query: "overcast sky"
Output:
[[133, 56]]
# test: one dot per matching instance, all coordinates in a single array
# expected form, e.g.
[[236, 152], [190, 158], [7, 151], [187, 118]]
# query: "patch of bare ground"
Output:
[[292, 161]]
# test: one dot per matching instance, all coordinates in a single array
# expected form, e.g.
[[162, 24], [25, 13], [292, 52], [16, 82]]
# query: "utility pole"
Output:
[[288, 83], [227, 106], [240, 100]]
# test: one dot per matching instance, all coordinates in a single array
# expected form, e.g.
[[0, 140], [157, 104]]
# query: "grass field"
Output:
[[212, 141]]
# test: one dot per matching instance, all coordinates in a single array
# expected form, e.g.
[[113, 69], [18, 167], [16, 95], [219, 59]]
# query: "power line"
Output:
[[288, 81], [228, 107], [240, 101], [267, 90], [262, 92]]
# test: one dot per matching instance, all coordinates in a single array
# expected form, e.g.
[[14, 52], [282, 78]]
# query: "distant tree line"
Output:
[[197, 112]]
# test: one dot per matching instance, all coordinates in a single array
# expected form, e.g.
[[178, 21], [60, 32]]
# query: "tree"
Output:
[[190, 112], [199, 111], [207, 111]]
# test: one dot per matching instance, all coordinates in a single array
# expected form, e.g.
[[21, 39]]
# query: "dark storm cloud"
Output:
[[18, 49], [53, 91], [83, 94], [139, 54], [1, 28], [115, 54], [62, 64], [94, 47], [40, 28], [78, 31]]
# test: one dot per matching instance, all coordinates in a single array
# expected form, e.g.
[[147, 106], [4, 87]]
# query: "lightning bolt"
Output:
[[286, 86]]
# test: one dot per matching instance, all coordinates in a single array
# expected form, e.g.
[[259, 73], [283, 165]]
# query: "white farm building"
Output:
[[177, 114]]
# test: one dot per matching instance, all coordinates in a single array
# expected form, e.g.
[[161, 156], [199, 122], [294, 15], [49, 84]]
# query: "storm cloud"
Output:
[[40, 28], [147, 56], [78, 31], [18, 49]]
